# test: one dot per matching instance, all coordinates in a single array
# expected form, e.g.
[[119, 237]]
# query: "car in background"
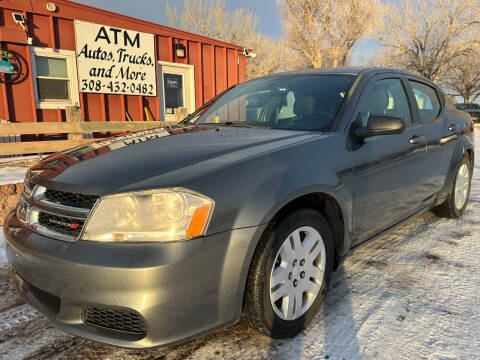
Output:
[[472, 109], [248, 206]]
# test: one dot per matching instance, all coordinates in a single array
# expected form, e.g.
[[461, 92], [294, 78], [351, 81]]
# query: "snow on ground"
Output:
[[12, 174], [3, 256], [411, 294]]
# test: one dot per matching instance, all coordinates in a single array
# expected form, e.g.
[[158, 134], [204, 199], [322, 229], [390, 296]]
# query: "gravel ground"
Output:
[[411, 294]]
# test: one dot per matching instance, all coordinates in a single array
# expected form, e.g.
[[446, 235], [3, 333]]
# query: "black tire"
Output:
[[258, 309], [447, 209]]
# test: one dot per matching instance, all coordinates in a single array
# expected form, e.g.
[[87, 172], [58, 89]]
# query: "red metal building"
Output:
[[108, 83]]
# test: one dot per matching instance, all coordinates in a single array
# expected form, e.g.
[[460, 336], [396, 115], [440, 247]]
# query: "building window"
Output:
[[55, 78], [173, 92]]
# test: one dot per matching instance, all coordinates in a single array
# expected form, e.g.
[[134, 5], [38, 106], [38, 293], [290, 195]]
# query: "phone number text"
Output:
[[117, 87]]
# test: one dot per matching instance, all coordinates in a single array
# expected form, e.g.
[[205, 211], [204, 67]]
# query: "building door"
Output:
[[176, 89]]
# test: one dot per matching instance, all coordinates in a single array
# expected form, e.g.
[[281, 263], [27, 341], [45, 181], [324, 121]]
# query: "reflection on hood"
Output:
[[56, 163]]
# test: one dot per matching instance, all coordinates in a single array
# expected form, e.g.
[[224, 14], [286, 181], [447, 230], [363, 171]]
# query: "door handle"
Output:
[[452, 127], [417, 139]]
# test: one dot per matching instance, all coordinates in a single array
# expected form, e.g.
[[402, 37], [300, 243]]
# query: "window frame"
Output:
[[188, 70], [70, 57], [418, 118]]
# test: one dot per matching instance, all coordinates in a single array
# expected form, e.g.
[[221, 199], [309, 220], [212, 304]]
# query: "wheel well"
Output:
[[469, 153], [325, 204]]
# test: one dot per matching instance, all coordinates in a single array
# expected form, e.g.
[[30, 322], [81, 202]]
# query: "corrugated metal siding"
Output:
[[217, 64]]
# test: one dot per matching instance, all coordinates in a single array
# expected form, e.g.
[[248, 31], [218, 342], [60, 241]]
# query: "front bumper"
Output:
[[180, 290]]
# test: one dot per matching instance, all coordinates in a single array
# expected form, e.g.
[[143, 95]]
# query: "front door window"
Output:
[[386, 97]]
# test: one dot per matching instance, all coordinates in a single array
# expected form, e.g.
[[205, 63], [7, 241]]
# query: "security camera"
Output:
[[248, 53], [19, 19]]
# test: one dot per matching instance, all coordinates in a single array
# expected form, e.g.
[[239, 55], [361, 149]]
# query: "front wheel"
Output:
[[289, 275], [457, 199]]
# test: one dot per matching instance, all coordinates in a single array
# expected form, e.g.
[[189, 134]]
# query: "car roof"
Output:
[[366, 72], [346, 71], [359, 72]]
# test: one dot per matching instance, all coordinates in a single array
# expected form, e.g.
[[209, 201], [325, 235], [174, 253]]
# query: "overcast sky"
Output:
[[155, 11]]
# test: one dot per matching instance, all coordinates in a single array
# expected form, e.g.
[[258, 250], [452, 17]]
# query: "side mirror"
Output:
[[380, 125]]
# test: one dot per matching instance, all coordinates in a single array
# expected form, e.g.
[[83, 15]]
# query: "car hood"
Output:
[[157, 157]]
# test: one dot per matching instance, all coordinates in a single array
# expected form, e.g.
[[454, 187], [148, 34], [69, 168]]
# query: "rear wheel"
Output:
[[457, 199], [289, 275]]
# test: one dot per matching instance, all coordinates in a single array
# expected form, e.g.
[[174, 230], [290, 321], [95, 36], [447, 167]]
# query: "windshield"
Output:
[[294, 102]]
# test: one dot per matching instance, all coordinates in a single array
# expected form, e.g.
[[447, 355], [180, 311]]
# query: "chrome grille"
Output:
[[61, 224], [56, 214], [115, 319], [70, 199]]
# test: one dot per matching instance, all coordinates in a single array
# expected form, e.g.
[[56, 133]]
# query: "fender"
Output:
[[345, 206], [463, 145], [344, 201]]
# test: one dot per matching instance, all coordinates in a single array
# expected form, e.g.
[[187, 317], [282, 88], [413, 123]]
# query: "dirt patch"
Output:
[[432, 257], [9, 195], [449, 242], [48, 350], [13, 305], [376, 263], [400, 281], [460, 234]]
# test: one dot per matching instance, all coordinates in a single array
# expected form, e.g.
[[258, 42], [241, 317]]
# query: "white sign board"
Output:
[[115, 61]]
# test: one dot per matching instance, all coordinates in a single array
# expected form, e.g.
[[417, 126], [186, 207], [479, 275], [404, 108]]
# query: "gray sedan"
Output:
[[248, 206]]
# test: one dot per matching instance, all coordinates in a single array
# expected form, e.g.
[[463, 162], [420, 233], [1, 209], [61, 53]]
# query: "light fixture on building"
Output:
[[51, 7], [249, 53], [179, 51], [19, 19]]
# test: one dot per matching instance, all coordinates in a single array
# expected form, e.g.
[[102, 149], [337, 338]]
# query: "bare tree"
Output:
[[324, 32], [464, 77], [211, 18], [271, 56], [352, 20], [428, 36], [304, 25]]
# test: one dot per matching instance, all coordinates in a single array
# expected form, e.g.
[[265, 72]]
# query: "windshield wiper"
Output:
[[240, 124]]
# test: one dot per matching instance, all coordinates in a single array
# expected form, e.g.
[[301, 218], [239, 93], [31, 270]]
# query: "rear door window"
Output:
[[427, 100]]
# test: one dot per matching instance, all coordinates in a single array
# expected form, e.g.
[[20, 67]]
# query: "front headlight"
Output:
[[157, 215]]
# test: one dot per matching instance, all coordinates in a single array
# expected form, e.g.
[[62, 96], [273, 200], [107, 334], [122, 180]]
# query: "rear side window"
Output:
[[427, 100], [386, 97]]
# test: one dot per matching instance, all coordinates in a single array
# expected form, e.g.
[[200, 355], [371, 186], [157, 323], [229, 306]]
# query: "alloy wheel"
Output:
[[297, 273], [462, 183]]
